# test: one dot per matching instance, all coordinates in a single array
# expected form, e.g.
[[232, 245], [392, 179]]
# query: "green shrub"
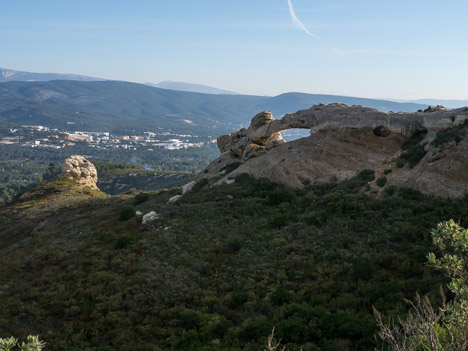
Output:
[[239, 297], [456, 134], [124, 241], [417, 136], [414, 154], [426, 327], [144, 347], [232, 246], [32, 344], [140, 198], [291, 329], [255, 330], [381, 182], [410, 194], [230, 167], [389, 191], [430, 109], [366, 175], [280, 220], [52, 172], [188, 319], [126, 212], [280, 297], [280, 195], [200, 184]]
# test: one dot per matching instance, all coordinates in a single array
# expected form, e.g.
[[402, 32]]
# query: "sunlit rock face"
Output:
[[80, 169], [344, 141]]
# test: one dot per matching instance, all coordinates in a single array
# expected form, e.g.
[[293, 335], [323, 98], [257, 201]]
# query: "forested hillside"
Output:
[[122, 106]]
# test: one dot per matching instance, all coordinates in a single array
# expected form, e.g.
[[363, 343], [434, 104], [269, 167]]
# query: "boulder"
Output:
[[149, 217], [187, 187], [80, 169], [174, 199]]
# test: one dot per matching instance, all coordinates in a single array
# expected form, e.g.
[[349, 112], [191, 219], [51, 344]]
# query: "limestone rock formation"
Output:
[[80, 169], [149, 217], [253, 142], [174, 199], [345, 140], [187, 187], [442, 171]]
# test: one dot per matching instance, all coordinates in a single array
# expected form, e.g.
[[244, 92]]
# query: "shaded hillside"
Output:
[[218, 269], [122, 106]]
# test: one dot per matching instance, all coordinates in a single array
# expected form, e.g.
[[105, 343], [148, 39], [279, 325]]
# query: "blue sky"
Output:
[[370, 48]]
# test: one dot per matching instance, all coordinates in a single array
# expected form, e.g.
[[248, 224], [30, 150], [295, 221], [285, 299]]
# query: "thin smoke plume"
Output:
[[297, 22]]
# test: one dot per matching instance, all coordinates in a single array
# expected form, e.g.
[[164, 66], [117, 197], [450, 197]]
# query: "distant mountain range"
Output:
[[121, 106], [446, 103], [7, 75], [195, 88]]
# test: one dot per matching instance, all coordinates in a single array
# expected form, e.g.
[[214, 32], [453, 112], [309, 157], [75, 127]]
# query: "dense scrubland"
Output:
[[219, 268]]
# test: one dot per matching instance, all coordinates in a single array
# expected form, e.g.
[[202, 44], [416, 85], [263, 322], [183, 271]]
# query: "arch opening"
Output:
[[295, 133]]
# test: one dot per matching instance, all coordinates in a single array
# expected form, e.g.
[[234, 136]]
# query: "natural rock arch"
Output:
[[264, 134]]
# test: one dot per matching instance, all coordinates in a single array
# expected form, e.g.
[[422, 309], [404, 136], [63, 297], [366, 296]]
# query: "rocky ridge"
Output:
[[345, 140]]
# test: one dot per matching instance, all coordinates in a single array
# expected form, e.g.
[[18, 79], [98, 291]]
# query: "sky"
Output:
[[369, 48]]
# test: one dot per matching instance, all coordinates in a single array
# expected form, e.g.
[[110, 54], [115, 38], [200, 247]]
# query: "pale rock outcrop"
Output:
[[174, 199], [343, 141], [187, 187], [80, 169], [248, 143], [442, 171], [264, 131], [149, 217]]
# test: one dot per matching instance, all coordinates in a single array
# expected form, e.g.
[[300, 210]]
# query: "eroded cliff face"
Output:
[[344, 141]]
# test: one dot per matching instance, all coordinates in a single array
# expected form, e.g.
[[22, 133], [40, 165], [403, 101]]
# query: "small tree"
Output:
[[32, 344], [273, 344], [446, 328], [452, 241], [126, 212]]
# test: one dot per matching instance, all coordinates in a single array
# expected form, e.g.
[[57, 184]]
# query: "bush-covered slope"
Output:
[[218, 269]]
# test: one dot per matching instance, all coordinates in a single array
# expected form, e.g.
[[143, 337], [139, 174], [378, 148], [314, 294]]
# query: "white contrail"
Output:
[[297, 22]]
